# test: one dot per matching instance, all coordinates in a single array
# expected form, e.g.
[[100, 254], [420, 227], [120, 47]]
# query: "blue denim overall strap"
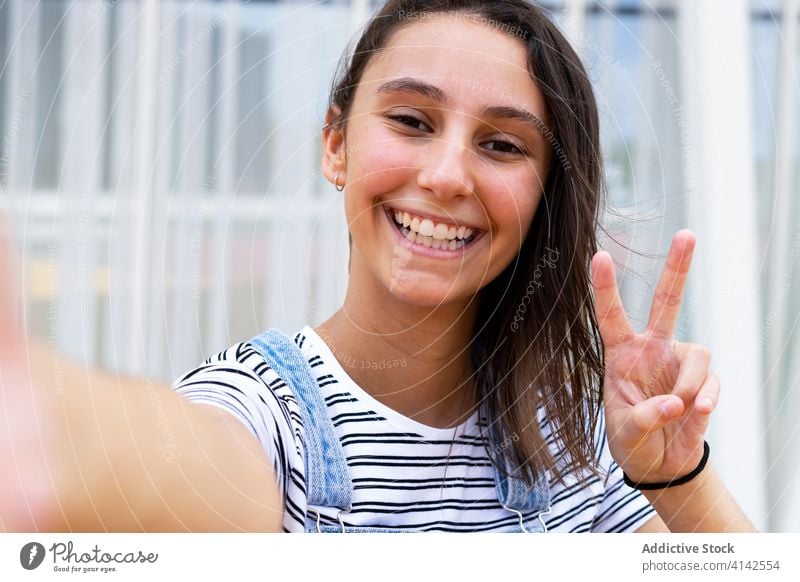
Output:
[[512, 492], [328, 482], [327, 478], [518, 498]]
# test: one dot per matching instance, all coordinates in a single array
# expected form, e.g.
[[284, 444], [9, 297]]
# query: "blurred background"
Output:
[[159, 161]]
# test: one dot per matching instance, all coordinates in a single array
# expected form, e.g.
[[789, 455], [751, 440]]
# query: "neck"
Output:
[[415, 360]]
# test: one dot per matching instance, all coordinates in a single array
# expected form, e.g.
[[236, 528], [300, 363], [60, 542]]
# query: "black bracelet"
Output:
[[674, 482]]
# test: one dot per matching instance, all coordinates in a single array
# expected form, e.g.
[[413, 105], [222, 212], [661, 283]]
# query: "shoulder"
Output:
[[239, 380], [238, 369], [240, 358]]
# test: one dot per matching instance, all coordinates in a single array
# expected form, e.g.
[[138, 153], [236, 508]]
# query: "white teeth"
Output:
[[440, 231], [434, 243], [425, 232], [426, 227]]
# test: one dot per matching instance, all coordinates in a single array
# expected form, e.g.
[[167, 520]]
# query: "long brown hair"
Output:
[[536, 341]]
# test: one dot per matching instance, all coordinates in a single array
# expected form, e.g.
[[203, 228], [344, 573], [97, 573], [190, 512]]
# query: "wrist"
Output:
[[684, 508], [651, 484]]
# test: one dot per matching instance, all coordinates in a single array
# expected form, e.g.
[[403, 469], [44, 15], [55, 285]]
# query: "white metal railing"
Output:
[[140, 221]]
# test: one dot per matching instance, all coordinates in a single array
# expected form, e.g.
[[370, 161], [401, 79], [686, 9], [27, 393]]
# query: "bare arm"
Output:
[[113, 454], [701, 505], [121, 454], [81, 450]]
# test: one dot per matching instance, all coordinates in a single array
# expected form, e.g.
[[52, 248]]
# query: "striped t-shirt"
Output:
[[405, 475]]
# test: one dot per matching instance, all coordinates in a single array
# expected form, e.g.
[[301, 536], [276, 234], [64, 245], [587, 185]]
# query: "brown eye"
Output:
[[506, 147], [408, 120]]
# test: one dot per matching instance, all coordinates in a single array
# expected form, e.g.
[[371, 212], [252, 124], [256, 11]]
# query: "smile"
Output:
[[430, 238]]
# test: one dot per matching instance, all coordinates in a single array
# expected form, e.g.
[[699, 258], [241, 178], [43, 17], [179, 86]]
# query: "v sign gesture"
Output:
[[659, 392], [658, 396]]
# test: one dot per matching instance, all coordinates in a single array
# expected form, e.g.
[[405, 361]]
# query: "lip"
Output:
[[422, 249]]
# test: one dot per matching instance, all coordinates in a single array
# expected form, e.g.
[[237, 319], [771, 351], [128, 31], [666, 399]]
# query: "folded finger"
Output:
[[703, 404], [695, 362], [654, 413], [708, 396]]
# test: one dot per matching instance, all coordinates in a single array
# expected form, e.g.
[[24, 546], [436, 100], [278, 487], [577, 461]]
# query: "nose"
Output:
[[445, 168]]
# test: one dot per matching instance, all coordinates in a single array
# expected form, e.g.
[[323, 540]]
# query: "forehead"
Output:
[[474, 63]]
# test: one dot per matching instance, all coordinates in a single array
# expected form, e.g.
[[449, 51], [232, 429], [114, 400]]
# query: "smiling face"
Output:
[[443, 159]]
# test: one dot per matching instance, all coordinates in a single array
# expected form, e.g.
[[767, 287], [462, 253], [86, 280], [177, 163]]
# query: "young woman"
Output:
[[470, 382]]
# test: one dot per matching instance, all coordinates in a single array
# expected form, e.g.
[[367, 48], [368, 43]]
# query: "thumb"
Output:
[[654, 413]]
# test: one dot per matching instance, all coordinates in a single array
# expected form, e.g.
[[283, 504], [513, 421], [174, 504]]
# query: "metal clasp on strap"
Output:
[[317, 512], [338, 517], [544, 525], [522, 522], [519, 515]]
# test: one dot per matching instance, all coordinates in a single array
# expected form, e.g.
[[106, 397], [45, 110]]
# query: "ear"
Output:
[[334, 149]]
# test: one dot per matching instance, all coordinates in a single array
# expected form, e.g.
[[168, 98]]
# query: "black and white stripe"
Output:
[[405, 475]]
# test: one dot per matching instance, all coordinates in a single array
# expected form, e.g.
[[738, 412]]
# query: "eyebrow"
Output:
[[411, 85]]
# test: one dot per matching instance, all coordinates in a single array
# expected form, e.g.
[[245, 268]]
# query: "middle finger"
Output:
[[669, 292]]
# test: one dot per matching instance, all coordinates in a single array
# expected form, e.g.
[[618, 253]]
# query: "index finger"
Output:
[[614, 325], [669, 292]]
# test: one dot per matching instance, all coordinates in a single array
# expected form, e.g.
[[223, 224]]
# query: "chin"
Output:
[[422, 294]]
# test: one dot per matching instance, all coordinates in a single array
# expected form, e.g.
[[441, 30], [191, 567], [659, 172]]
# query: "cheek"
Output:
[[513, 212], [383, 164], [380, 169]]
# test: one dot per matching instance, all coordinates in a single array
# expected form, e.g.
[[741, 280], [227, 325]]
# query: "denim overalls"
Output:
[[327, 475]]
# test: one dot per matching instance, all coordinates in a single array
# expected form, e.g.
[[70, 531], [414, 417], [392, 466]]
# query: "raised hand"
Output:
[[658, 392]]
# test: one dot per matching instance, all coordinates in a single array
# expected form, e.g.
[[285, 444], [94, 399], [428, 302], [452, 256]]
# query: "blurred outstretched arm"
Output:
[[83, 450]]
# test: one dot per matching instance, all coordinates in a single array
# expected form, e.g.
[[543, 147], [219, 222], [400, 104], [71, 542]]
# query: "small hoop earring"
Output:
[[336, 183]]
